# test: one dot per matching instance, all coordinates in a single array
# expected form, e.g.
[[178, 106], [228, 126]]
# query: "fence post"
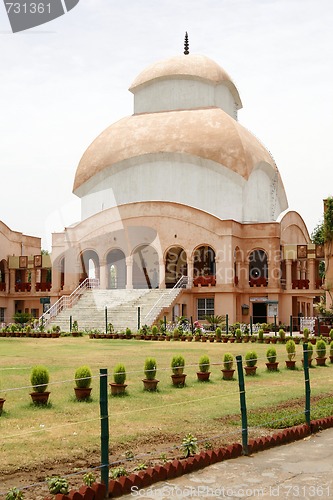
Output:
[[251, 325], [106, 320], [139, 318], [70, 323], [242, 404], [103, 404], [275, 325], [307, 383], [291, 325], [227, 323]]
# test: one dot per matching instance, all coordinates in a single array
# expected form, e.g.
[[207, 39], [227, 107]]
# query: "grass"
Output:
[[70, 430]]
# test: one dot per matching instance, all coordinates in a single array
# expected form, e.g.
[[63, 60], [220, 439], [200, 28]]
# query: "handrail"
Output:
[[67, 301], [181, 283]]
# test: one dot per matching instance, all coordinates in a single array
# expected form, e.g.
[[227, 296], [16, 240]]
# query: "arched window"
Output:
[[116, 264], [258, 268]]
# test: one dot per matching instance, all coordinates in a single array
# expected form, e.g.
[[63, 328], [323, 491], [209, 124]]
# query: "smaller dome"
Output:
[[192, 66]]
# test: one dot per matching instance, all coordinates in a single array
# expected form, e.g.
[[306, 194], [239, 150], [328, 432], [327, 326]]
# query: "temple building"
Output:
[[181, 195]]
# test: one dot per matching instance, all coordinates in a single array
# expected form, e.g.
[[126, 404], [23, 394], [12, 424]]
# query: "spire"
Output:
[[186, 45]]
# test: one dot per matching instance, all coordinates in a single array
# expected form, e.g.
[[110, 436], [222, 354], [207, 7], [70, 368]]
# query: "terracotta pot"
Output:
[[117, 389], [150, 385], [178, 380], [290, 364], [309, 361], [272, 367], [82, 393], [40, 398], [250, 370], [321, 361], [331, 359], [203, 376], [228, 374], [1, 404]]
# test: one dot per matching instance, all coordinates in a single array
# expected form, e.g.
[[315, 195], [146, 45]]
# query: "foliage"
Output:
[[251, 358], [261, 334], [150, 368], [317, 235], [154, 330], [328, 220], [189, 445], [218, 332], [291, 349], [321, 348], [39, 378], [306, 333], [238, 333], [139, 467], [57, 484], [271, 354], [119, 374], [331, 348], [22, 317], [75, 326], [83, 377], [178, 364], [128, 332], [331, 334], [89, 478], [117, 472], [110, 328], [310, 350], [282, 334], [14, 494], [228, 361], [214, 321], [204, 363]]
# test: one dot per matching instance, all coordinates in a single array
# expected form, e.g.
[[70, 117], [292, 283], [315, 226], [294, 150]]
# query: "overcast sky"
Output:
[[63, 83]]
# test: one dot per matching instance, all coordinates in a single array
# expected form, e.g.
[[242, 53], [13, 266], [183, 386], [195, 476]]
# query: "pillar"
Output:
[[289, 263], [161, 273], [129, 272], [103, 281]]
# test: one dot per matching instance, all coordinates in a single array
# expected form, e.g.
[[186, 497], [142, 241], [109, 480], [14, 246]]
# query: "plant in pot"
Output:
[[291, 353], [39, 379], [238, 334], [321, 352], [228, 363], [150, 382], [309, 350], [260, 335], [251, 359], [118, 385], [204, 365], [178, 376], [272, 364], [154, 332], [83, 382], [282, 335], [218, 334], [331, 351]]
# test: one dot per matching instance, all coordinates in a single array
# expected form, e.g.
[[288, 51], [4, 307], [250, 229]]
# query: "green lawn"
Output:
[[69, 430]]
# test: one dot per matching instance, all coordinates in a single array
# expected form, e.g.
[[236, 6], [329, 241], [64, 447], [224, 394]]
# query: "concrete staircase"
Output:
[[122, 308]]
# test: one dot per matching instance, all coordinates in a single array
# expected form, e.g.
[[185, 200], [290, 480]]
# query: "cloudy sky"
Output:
[[63, 83]]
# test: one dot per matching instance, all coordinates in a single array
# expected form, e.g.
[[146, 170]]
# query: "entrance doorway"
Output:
[[259, 312]]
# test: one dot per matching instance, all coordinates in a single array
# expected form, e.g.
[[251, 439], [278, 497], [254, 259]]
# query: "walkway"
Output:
[[303, 470]]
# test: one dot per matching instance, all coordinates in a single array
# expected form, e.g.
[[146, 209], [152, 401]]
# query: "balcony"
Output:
[[208, 280]]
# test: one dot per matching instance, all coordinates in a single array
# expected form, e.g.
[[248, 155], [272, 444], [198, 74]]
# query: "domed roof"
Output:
[[192, 66], [205, 133]]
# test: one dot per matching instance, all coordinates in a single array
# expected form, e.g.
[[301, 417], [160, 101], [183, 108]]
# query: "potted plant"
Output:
[[228, 370], [150, 382], [251, 359], [321, 352], [218, 334], [309, 350], [204, 365], [197, 334], [39, 379], [83, 382], [154, 332], [260, 335], [291, 353], [238, 334], [14, 494], [272, 364], [178, 376], [331, 352], [118, 385], [282, 335]]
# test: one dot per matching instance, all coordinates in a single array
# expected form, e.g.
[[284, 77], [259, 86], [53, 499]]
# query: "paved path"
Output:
[[299, 470]]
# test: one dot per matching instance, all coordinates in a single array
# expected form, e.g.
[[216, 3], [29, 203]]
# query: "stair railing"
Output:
[[183, 282], [67, 301]]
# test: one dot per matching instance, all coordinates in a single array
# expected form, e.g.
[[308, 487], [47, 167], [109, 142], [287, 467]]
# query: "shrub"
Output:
[[83, 377], [39, 378], [310, 350], [128, 332], [331, 334], [271, 354], [154, 330], [178, 364], [150, 368], [14, 494], [118, 472], [261, 334], [331, 348], [291, 349], [251, 358], [218, 332], [119, 374], [57, 484], [204, 363], [89, 478], [189, 445], [321, 348], [282, 334], [228, 361], [238, 333], [306, 333]]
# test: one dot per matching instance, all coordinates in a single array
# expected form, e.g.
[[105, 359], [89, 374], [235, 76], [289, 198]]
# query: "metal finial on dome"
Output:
[[186, 45]]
